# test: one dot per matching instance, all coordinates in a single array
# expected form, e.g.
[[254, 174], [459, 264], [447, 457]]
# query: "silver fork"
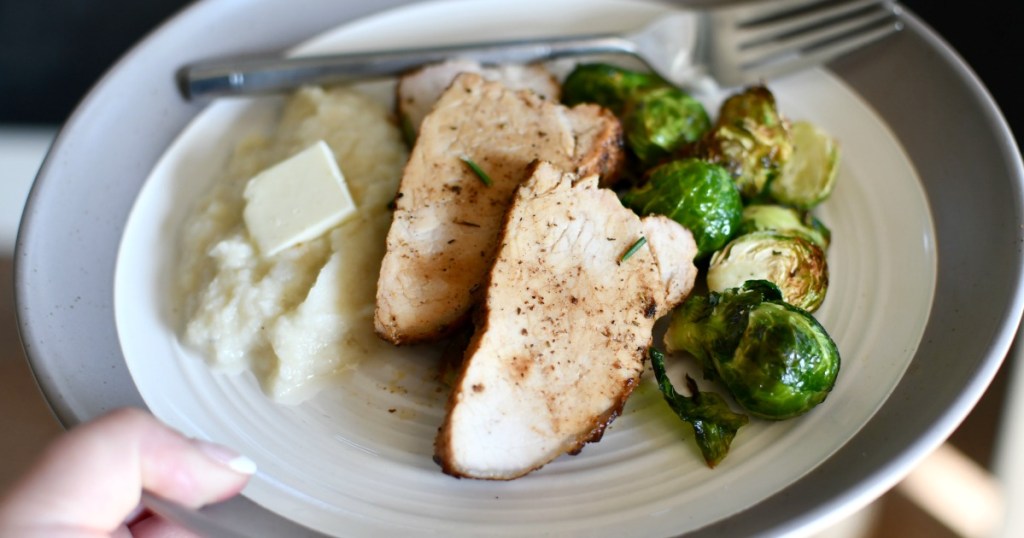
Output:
[[733, 45]]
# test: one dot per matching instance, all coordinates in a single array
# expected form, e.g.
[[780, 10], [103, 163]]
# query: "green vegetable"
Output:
[[787, 220], [714, 424], [750, 139], [809, 175], [606, 85], [659, 121], [696, 194], [632, 249], [484, 178], [775, 359], [794, 264]]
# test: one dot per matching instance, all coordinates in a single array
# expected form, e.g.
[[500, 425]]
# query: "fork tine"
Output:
[[764, 30], [752, 12], [822, 54], [801, 41]]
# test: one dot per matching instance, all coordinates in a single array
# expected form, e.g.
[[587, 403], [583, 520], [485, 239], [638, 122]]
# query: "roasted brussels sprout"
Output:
[[659, 121], [714, 423], [699, 195], [750, 139], [808, 176], [607, 85], [794, 264], [775, 359], [787, 220]]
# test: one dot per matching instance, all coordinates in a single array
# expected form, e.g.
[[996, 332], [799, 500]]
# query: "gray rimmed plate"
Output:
[[970, 185]]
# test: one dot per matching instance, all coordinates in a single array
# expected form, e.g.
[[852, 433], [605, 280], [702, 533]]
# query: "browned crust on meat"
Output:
[[442, 449], [607, 157], [595, 134], [481, 317], [649, 294]]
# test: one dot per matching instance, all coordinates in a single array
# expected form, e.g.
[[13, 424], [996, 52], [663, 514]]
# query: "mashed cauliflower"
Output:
[[299, 317]]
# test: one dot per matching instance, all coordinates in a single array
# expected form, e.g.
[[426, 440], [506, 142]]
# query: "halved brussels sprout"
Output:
[[791, 221], [697, 194], [606, 85], [794, 264], [776, 360], [809, 175], [750, 139], [659, 121]]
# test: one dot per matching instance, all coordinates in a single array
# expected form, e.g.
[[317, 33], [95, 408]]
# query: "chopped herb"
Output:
[[632, 250], [714, 423], [484, 178]]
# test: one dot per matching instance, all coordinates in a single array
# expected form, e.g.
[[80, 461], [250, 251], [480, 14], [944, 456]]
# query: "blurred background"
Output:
[[53, 51]]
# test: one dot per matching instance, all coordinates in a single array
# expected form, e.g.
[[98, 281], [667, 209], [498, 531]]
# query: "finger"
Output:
[[92, 477], [156, 527]]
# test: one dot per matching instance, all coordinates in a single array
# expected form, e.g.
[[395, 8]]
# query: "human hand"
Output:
[[90, 480]]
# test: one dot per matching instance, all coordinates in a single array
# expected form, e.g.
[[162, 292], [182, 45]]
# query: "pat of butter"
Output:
[[296, 200]]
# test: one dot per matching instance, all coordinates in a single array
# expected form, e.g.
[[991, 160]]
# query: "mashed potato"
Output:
[[305, 314]]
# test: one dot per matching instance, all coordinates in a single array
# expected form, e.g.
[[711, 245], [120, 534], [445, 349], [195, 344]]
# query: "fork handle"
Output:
[[274, 74]]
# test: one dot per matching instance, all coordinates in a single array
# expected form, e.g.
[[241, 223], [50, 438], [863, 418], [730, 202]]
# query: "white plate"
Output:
[[357, 458]]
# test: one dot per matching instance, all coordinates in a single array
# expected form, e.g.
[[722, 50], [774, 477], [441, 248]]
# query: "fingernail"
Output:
[[224, 455]]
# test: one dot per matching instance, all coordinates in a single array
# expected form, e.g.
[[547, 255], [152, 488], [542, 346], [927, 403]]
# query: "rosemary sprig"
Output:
[[484, 178], [632, 250]]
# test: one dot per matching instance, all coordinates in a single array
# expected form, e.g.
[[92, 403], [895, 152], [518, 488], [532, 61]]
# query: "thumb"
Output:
[[92, 477]]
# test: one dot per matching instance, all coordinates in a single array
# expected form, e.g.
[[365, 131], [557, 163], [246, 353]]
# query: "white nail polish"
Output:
[[226, 456], [242, 464]]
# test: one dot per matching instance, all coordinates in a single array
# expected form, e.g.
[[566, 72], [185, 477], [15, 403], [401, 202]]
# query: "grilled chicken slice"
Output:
[[562, 334], [417, 91], [446, 222]]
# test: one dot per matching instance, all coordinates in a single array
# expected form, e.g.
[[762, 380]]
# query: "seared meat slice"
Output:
[[418, 90], [446, 222], [564, 327]]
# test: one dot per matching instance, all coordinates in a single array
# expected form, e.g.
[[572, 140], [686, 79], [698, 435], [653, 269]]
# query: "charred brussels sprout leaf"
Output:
[[776, 360], [750, 139], [696, 194], [699, 325], [754, 106], [787, 220], [714, 423], [794, 264], [607, 85], [658, 122]]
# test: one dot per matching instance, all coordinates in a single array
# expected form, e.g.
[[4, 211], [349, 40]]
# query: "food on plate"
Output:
[[297, 317], [745, 188], [564, 326], [809, 175], [777, 361], [794, 264], [296, 200], [607, 85], [660, 121], [417, 91], [786, 220], [446, 220], [697, 194], [502, 210], [714, 423], [750, 139]]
